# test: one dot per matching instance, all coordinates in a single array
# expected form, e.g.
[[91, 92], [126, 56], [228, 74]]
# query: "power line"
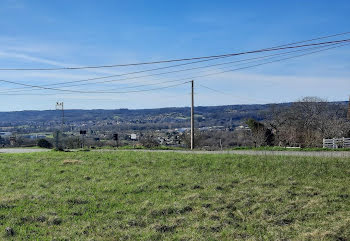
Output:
[[231, 70], [194, 68], [119, 75], [175, 71], [217, 91], [174, 60], [228, 94], [318, 38], [172, 66], [274, 61], [95, 92], [247, 67], [130, 73], [142, 71], [202, 67]]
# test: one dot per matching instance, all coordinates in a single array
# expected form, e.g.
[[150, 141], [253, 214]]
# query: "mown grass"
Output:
[[171, 196], [138, 147], [261, 148], [279, 148]]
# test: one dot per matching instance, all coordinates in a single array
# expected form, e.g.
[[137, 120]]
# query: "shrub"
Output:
[[149, 142], [44, 143]]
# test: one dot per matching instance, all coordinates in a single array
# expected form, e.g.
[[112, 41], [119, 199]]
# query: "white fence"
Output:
[[336, 143]]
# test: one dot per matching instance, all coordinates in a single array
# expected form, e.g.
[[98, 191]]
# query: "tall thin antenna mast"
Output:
[[60, 106]]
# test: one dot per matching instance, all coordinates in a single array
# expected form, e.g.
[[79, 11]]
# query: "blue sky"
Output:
[[74, 33]]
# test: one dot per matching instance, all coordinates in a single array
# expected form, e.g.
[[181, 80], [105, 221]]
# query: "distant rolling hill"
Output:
[[226, 115]]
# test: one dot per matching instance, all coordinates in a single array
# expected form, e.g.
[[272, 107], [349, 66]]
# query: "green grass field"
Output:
[[171, 196]]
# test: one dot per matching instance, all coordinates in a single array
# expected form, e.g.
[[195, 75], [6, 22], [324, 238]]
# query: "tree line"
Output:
[[304, 124]]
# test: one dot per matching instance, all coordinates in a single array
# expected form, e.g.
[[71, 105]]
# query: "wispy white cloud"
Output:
[[29, 53], [31, 59]]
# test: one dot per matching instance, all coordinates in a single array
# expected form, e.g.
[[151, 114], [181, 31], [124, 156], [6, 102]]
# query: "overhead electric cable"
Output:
[[231, 70], [201, 67], [95, 92], [135, 72], [218, 91], [174, 60], [194, 68], [228, 94], [175, 71]]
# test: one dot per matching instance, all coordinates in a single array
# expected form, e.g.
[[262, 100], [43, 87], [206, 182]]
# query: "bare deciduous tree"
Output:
[[307, 121]]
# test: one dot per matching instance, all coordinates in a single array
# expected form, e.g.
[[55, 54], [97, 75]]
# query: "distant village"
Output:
[[92, 136], [216, 127]]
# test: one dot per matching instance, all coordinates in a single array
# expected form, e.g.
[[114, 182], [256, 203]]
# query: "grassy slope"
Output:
[[152, 196]]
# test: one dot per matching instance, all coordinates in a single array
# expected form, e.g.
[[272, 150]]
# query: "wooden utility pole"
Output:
[[62, 118], [192, 117], [348, 116]]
